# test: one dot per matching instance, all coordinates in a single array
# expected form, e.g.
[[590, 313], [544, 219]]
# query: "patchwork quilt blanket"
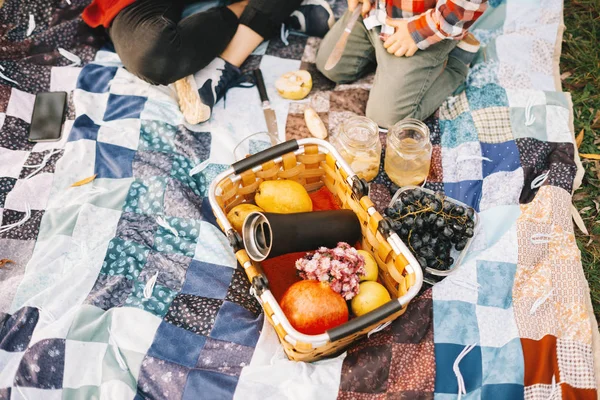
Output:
[[125, 287]]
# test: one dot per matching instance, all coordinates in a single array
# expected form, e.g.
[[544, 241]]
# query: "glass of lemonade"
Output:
[[408, 152]]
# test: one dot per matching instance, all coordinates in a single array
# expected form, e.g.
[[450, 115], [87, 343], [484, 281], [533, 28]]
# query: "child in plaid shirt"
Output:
[[418, 66]]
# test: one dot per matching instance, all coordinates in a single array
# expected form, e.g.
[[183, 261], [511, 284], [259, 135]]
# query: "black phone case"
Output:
[[48, 116]]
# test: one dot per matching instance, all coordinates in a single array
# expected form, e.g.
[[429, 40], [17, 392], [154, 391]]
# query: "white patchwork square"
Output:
[[542, 81], [525, 97], [33, 191], [125, 83], [28, 393], [9, 364], [214, 247], [116, 389], [121, 132], [501, 189], [83, 363], [126, 320], [576, 363], [43, 146], [497, 326], [165, 110], [79, 165], [20, 105], [557, 123], [91, 104], [107, 58], [514, 49], [63, 79], [462, 163], [459, 285], [2, 118], [12, 162], [505, 248], [522, 14]]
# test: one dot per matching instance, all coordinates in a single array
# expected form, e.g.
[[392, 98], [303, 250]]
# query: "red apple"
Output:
[[312, 307]]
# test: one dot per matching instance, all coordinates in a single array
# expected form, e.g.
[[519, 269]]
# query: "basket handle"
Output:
[[265, 155], [370, 318]]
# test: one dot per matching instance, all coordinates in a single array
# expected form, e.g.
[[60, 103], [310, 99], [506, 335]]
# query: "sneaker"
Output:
[[198, 93], [466, 49], [313, 18]]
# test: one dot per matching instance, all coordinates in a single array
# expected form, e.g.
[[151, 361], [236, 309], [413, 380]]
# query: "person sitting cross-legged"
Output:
[[204, 51]]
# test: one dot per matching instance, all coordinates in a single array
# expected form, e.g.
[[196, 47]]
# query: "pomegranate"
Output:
[[312, 307]]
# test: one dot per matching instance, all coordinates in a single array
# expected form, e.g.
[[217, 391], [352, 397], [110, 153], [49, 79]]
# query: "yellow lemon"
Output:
[[371, 268], [283, 197], [370, 296], [238, 214]]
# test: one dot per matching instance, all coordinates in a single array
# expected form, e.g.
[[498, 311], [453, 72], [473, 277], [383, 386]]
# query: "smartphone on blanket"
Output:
[[48, 116]]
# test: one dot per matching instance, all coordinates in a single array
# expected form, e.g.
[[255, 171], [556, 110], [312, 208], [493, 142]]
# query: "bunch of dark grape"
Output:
[[431, 226]]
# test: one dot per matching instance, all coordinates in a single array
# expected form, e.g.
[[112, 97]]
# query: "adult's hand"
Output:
[[400, 43], [366, 6]]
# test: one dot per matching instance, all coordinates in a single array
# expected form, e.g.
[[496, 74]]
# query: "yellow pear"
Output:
[[294, 85], [238, 214], [371, 268], [283, 197], [370, 296]]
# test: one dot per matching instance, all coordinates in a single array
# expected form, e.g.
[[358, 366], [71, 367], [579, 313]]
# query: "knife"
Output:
[[270, 116], [336, 54]]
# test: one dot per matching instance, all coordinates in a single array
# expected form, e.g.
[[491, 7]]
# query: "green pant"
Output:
[[404, 86]]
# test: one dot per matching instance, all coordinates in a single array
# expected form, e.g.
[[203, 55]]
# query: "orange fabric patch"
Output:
[[541, 361], [571, 393]]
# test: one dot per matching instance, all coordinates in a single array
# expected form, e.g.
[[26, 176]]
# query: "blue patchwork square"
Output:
[[16, 330], [455, 322], [503, 156], [48, 355], [469, 192], [96, 78], [177, 345], [506, 391], [503, 364], [157, 136], [458, 131], [207, 280], [181, 238], [157, 303], [114, 162], [496, 283], [219, 386], [181, 171], [125, 258], [83, 128], [490, 95], [146, 196], [160, 379], [470, 368], [236, 324], [121, 107]]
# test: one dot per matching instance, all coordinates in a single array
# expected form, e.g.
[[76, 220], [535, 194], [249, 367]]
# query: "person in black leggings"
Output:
[[202, 53]]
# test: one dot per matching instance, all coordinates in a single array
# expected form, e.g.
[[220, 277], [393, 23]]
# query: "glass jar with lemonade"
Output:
[[358, 143], [408, 152]]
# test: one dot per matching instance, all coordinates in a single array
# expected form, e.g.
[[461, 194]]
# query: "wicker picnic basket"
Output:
[[314, 163]]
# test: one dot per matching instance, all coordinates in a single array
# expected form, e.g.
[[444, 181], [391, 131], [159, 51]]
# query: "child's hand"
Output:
[[366, 6], [401, 42]]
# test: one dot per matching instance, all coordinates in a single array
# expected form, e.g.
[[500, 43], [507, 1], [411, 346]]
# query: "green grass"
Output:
[[580, 69]]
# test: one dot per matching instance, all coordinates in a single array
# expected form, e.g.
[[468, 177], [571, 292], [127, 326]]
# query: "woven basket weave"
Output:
[[314, 163]]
